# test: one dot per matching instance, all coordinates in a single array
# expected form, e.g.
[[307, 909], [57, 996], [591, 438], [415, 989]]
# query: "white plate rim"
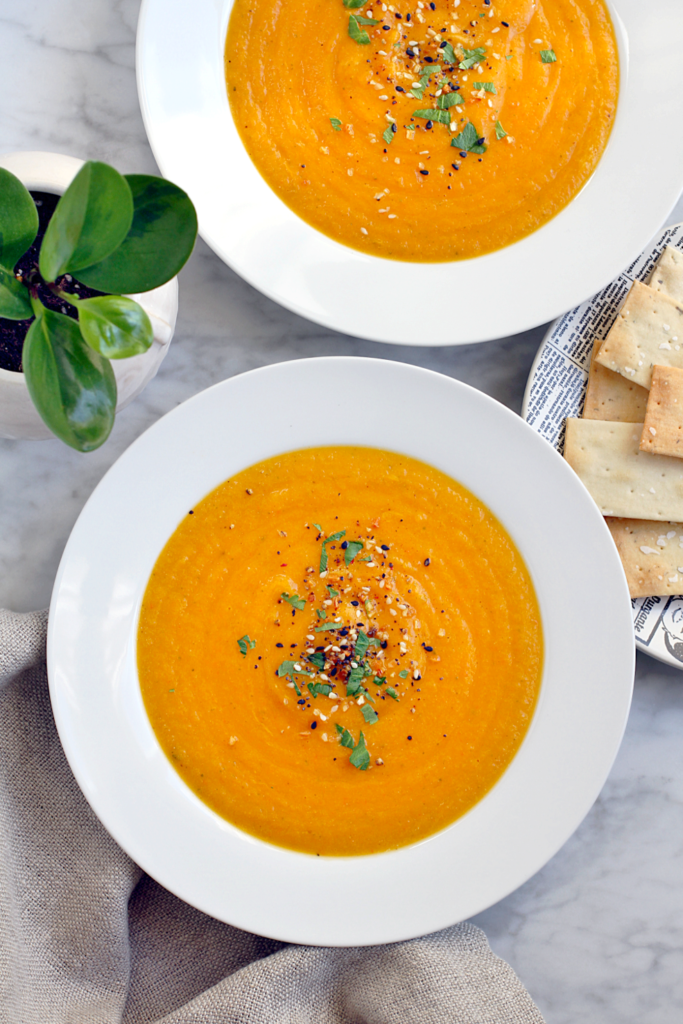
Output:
[[80, 644]]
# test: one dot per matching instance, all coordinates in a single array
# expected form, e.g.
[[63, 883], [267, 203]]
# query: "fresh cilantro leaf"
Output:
[[319, 688], [418, 91], [392, 692], [362, 644], [403, 673], [379, 680], [328, 625], [287, 668], [354, 547], [548, 56], [365, 21], [353, 5], [486, 86], [509, 57], [245, 644], [448, 53], [500, 131], [369, 714], [468, 140], [346, 737], [296, 688], [449, 99], [471, 57], [337, 125], [360, 756], [388, 136], [354, 683], [333, 592], [358, 34], [295, 601], [433, 69], [317, 659], [317, 525], [321, 613], [430, 114], [323, 553]]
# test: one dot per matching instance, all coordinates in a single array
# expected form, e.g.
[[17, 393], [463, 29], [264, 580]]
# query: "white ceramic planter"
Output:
[[52, 172]]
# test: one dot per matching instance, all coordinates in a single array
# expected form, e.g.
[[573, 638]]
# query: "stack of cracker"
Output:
[[628, 448]]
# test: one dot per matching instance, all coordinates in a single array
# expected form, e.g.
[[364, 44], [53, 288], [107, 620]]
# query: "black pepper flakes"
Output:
[[314, 725]]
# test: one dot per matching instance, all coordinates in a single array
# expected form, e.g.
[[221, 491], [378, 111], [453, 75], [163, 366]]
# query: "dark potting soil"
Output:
[[13, 332]]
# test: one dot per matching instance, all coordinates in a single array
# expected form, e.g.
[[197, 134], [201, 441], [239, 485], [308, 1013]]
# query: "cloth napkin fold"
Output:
[[87, 938]]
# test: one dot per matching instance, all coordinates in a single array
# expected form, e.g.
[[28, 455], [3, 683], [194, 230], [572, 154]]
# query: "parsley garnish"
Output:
[[288, 668], [337, 125], [509, 57], [295, 601], [500, 131], [346, 737], [365, 21], [353, 548], [449, 99], [353, 5], [392, 692], [362, 644], [486, 86], [379, 680], [403, 673], [471, 57], [369, 714], [328, 625], [548, 56], [468, 140], [323, 553], [333, 592], [245, 644], [388, 136], [319, 688], [418, 91], [358, 34], [448, 53], [441, 116], [317, 525], [354, 681], [360, 756], [321, 613], [317, 659]]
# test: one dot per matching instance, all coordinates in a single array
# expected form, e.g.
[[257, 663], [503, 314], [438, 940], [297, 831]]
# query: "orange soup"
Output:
[[423, 131], [340, 650]]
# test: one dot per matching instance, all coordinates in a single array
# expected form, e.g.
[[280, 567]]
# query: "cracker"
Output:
[[651, 554], [648, 330], [609, 396], [667, 276], [663, 426], [622, 480]]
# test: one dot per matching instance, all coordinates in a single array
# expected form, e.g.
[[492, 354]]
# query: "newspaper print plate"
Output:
[[556, 389]]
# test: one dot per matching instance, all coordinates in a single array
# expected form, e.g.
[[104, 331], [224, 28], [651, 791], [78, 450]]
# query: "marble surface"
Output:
[[597, 935]]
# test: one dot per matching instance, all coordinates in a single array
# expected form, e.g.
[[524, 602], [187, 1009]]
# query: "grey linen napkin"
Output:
[[86, 937]]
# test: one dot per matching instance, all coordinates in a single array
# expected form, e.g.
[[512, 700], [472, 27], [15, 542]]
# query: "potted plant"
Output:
[[79, 290]]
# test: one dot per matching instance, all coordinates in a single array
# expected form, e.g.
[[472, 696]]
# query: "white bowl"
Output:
[[637, 182], [19, 418], [552, 781]]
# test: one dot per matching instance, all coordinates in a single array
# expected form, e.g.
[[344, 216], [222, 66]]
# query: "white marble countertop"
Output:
[[597, 935]]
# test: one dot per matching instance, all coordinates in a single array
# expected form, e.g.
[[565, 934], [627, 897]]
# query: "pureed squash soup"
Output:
[[423, 131], [340, 650]]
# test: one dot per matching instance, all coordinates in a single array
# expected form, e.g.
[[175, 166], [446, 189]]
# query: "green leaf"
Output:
[[161, 237], [354, 683], [418, 91], [388, 134], [548, 56], [353, 548], [14, 301], [333, 592], [509, 57], [337, 126], [433, 69], [115, 326], [392, 692], [321, 613], [486, 86], [353, 5], [362, 644], [369, 714], [91, 220], [468, 140], [448, 53], [430, 114], [295, 601], [287, 668], [319, 688], [365, 21], [245, 644], [328, 625], [360, 756], [500, 131], [379, 680], [323, 553], [403, 674], [358, 34], [18, 221], [449, 99], [72, 387], [317, 659], [471, 57], [346, 737]]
